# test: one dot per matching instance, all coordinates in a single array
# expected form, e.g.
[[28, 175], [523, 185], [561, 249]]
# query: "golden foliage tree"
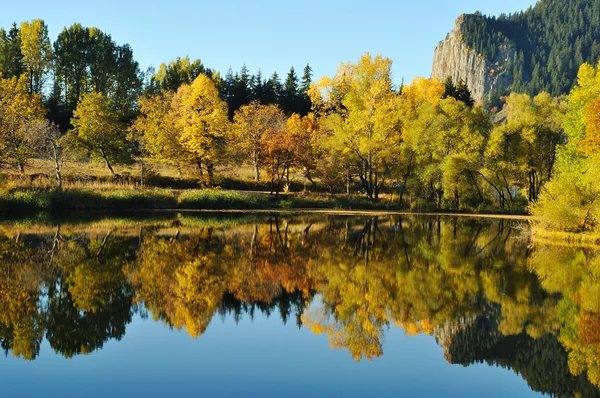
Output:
[[18, 111], [369, 126], [250, 124], [37, 53], [200, 117]]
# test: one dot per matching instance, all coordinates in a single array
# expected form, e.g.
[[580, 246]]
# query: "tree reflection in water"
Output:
[[483, 292]]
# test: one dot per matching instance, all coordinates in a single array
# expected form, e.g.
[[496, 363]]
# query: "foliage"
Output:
[[97, 131], [19, 111], [37, 53], [88, 60], [250, 124], [551, 40], [570, 200], [200, 118], [367, 129]]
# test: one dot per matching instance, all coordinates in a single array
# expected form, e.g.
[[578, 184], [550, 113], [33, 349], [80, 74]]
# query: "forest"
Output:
[[549, 42], [421, 146]]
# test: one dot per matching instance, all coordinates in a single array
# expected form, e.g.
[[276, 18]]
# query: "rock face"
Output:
[[453, 58], [444, 333]]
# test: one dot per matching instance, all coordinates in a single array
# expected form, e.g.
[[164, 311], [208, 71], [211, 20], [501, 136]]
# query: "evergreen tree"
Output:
[[459, 92], [289, 100], [273, 90], [305, 83], [551, 40], [258, 87], [11, 58]]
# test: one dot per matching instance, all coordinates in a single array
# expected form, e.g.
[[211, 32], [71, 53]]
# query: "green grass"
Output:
[[31, 200], [215, 199], [547, 236]]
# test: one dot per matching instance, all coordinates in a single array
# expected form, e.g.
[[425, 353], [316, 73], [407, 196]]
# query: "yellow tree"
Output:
[[251, 122], [591, 144], [279, 155], [37, 53], [19, 305], [154, 128], [570, 200], [97, 131], [201, 122], [18, 109], [523, 149], [442, 141], [304, 132], [370, 123]]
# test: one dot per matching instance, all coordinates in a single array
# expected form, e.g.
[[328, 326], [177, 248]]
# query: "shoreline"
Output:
[[349, 212]]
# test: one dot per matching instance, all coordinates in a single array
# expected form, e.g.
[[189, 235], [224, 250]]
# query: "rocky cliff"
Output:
[[453, 58]]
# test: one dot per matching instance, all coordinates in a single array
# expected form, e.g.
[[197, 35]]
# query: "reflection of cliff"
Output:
[[542, 362], [445, 333]]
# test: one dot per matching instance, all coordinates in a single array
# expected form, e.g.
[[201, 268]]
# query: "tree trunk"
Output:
[[406, 175], [57, 170], [210, 169], [376, 186], [287, 177], [57, 165], [370, 179], [142, 173], [112, 172], [256, 169], [347, 179], [199, 164]]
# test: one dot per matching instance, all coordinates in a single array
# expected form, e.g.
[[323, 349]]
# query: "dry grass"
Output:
[[561, 238]]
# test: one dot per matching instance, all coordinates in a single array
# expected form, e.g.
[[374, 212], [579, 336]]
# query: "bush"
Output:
[[570, 201]]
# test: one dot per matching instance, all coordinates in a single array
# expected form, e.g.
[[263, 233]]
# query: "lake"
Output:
[[265, 305]]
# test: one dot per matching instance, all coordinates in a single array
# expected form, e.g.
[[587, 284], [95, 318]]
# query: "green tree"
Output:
[[97, 131], [525, 146], [180, 71], [11, 58], [289, 95], [570, 201], [305, 84], [71, 64], [86, 60]]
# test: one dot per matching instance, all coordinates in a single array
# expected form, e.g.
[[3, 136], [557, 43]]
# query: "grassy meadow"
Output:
[[90, 186]]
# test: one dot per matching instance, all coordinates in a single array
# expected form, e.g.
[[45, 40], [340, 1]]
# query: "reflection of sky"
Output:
[[260, 358]]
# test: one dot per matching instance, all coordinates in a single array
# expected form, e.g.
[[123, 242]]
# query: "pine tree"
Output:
[[11, 58], [304, 100], [289, 101]]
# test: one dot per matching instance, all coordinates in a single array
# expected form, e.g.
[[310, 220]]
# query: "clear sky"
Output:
[[270, 35]]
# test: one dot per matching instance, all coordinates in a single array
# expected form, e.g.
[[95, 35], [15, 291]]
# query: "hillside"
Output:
[[539, 49]]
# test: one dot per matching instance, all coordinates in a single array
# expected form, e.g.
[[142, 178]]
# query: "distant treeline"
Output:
[[85, 59]]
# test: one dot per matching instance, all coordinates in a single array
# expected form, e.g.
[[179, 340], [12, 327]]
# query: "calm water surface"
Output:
[[295, 306]]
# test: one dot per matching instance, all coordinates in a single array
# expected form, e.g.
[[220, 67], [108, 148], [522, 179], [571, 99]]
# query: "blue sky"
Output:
[[269, 35]]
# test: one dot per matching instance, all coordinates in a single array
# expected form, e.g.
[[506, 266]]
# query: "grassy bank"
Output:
[[545, 236], [30, 200]]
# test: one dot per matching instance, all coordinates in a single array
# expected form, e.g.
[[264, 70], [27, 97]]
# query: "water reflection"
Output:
[[485, 293]]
